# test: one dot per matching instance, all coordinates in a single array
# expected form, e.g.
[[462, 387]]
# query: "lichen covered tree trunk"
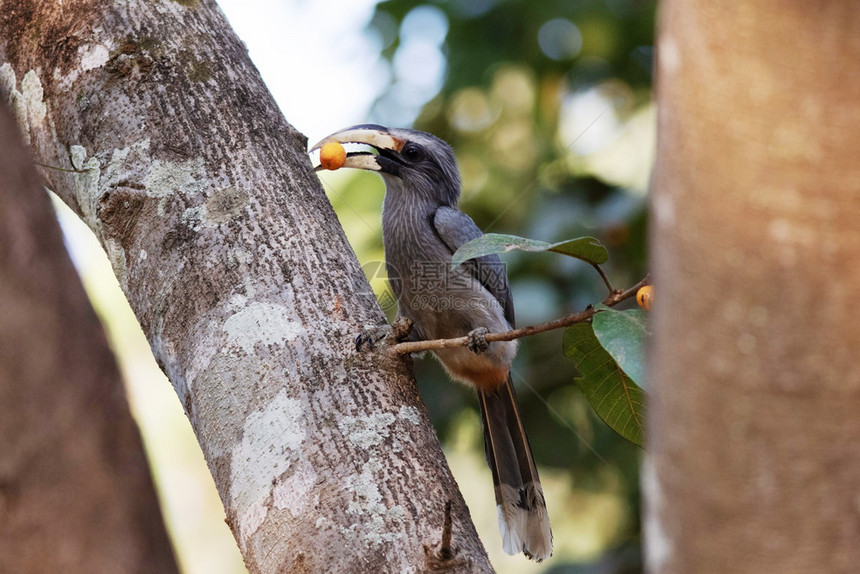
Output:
[[753, 462], [244, 284]]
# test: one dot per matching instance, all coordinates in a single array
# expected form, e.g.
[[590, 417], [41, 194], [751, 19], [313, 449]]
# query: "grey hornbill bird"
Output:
[[421, 229]]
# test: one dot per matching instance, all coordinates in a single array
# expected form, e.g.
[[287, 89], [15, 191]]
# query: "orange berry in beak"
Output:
[[332, 156]]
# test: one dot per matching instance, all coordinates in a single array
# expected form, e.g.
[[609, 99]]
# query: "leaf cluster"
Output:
[[608, 352]]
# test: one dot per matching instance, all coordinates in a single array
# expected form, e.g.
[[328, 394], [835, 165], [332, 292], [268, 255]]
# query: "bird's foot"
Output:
[[478, 340], [369, 339], [382, 335]]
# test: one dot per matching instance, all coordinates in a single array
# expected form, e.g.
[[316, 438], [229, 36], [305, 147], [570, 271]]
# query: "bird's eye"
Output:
[[413, 152]]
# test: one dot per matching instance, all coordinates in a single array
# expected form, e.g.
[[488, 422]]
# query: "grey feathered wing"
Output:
[[456, 228], [523, 519]]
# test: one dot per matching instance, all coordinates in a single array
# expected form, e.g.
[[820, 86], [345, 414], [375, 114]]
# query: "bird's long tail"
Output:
[[523, 519]]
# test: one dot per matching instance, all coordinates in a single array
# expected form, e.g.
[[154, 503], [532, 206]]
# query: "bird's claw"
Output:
[[383, 335], [478, 340], [369, 339]]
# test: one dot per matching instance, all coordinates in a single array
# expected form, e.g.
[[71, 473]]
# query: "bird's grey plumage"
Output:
[[418, 216], [456, 228], [422, 228]]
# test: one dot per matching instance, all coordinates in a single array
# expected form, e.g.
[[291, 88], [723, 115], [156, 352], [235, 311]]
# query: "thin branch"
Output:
[[604, 277], [614, 298], [445, 559], [62, 168], [445, 550]]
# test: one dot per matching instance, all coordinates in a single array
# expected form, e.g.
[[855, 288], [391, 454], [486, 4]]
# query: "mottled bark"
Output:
[[75, 490], [753, 465], [232, 258]]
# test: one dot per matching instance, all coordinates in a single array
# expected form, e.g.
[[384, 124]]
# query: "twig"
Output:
[[62, 168], [617, 296], [445, 550], [604, 277]]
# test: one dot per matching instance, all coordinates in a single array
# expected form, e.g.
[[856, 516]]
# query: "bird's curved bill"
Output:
[[375, 136]]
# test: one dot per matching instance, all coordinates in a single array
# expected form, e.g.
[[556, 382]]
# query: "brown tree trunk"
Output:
[[756, 244], [232, 258], [75, 490]]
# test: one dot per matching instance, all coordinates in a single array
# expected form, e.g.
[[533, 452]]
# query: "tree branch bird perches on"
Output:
[[421, 229]]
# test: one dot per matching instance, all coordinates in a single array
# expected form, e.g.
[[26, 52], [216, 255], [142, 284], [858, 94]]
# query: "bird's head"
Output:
[[410, 161]]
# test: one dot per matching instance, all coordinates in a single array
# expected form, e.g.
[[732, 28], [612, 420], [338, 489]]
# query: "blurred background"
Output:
[[549, 109]]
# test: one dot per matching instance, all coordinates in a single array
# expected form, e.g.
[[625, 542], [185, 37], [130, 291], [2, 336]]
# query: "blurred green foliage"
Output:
[[548, 107]]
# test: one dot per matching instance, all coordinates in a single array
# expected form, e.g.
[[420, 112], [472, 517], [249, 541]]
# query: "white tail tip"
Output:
[[525, 528]]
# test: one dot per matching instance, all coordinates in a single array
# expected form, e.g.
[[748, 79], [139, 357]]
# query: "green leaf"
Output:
[[611, 393], [587, 249], [623, 335]]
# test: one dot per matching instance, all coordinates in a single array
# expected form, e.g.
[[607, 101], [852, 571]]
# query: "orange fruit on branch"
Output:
[[644, 297]]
